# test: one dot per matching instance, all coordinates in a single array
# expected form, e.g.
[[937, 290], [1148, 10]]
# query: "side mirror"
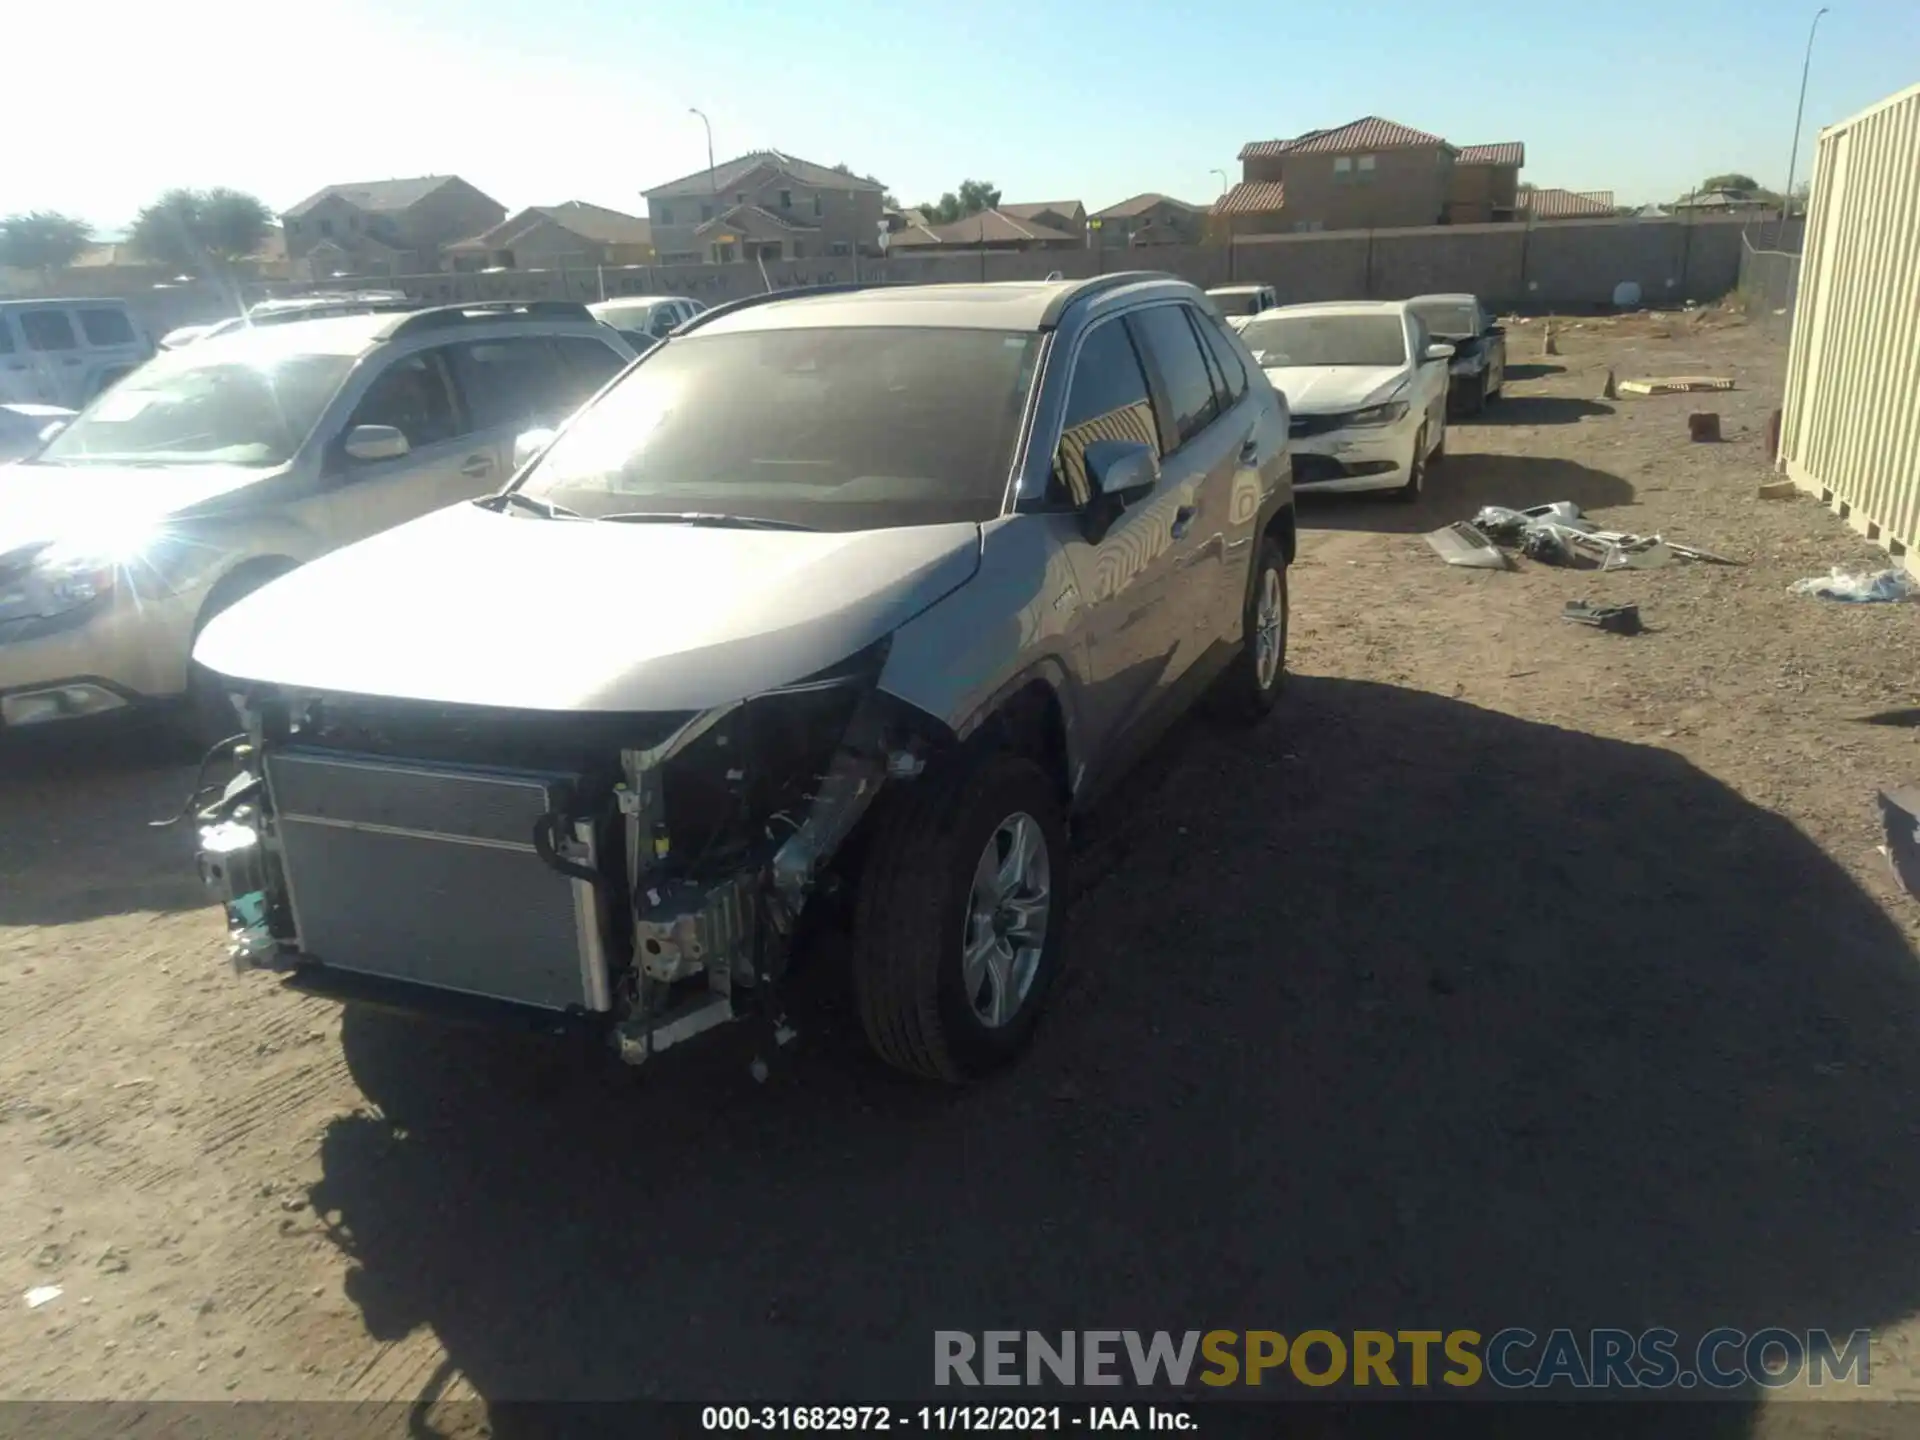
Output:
[[51, 429], [1496, 330], [528, 444], [376, 442], [1122, 471], [1439, 351]]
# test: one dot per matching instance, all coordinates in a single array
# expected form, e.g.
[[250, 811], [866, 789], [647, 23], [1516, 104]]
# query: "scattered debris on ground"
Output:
[[1703, 426], [1557, 534], [1462, 544], [1615, 619], [40, 1294], [1675, 385], [1881, 587], [1900, 810], [1778, 490]]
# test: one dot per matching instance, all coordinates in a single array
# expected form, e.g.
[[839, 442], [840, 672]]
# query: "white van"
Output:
[[65, 352]]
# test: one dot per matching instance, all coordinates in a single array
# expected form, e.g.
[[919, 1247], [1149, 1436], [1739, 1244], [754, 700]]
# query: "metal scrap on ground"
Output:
[[1674, 385], [1461, 544], [1900, 810], [1615, 619], [1882, 587]]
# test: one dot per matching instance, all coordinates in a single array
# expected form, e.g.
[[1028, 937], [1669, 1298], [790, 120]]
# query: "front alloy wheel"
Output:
[[1007, 914]]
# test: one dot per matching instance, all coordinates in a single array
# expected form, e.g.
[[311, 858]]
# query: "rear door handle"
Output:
[[477, 465], [1182, 518]]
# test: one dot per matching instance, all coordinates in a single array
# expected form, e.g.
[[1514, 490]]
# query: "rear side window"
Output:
[[1183, 369], [589, 365], [47, 330], [106, 327], [1226, 360], [1107, 400], [509, 382]]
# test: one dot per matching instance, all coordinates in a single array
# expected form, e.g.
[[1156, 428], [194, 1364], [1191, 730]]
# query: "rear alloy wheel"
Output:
[[960, 917], [1416, 471], [1251, 685]]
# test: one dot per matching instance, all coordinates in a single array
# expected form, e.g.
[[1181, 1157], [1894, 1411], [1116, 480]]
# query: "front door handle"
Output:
[[477, 466], [1250, 452], [1182, 518]]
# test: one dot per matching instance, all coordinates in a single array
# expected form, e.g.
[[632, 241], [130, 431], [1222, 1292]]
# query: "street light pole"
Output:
[[1793, 156], [1223, 178], [712, 181]]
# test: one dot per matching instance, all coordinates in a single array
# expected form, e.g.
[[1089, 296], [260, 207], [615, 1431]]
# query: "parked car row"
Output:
[[834, 604]]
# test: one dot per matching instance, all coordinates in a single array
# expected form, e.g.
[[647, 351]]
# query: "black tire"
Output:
[[1241, 695], [912, 913], [1439, 451], [1408, 493], [1482, 390], [207, 717]]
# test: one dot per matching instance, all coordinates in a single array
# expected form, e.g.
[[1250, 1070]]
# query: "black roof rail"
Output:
[[1098, 285], [481, 312], [747, 302]]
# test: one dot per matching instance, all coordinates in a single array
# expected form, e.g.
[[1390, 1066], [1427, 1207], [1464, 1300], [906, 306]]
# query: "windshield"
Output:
[[832, 429], [1281, 340], [625, 317], [182, 409], [1236, 302], [1453, 321]]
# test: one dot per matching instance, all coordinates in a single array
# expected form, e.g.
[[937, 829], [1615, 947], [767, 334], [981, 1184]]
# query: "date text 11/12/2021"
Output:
[[943, 1419]]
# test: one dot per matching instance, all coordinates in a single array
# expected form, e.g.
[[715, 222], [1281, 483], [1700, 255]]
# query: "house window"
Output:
[[662, 214], [1342, 167], [706, 213], [740, 197], [326, 227], [1366, 167], [786, 199], [841, 247], [799, 251], [818, 209]]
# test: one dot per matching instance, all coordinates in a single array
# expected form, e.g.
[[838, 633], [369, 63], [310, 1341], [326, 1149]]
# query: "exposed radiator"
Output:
[[430, 875]]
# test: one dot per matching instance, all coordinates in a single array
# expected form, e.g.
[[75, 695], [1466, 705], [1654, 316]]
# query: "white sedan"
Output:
[[1368, 391]]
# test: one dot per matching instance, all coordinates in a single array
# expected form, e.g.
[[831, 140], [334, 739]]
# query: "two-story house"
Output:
[[386, 227], [1370, 174], [1149, 219], [765, 206], [556, 236]]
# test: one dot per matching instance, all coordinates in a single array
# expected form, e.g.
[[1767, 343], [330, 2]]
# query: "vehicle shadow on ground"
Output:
[[1461, 484], [1398, 1013], [76, 844], [1539, 410], [1532, 371]]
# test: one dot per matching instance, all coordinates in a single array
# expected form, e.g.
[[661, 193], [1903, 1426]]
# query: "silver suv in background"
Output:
[[645, 320], [217, 467], [843, 598]]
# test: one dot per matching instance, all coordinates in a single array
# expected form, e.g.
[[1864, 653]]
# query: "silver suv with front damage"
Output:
[[836, 606]]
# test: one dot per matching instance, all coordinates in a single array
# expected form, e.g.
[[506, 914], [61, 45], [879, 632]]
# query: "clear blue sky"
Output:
[[1049, 99]]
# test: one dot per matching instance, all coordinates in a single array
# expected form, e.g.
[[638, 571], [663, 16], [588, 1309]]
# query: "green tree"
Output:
[[42, 240], [972, 197], [1733, 180], [201, 231]]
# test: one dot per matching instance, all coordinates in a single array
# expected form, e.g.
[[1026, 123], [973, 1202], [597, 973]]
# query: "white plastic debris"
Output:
[[1881, 587], [41, 1294]]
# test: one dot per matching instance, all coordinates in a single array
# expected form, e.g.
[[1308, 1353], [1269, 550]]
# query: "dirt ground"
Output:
[[1515, 974]]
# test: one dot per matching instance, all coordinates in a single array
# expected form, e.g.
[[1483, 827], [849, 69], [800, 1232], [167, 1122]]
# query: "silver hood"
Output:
[[75, 503], [1329, 389], [466, 606]]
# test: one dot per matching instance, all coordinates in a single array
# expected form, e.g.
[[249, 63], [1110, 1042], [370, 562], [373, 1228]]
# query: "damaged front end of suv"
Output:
[[641, 875]]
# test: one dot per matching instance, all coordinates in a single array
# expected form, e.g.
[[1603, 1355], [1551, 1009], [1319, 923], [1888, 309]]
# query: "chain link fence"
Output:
[[1769, 283]]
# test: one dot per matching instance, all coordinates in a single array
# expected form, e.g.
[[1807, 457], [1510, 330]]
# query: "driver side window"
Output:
[[414, 396], [1107, 400]]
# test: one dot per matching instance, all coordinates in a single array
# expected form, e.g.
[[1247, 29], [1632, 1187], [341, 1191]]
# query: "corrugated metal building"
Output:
[[1850, 424]]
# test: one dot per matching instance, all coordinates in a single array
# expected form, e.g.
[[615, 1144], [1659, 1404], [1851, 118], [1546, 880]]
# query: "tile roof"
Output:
[[378, 196], [989, 227], [728, 175], [1252, 197], [1140, 204], [1369, 132], [753, 222], [1556, 204], [1508, 152], [595, 223], [1033, 210]]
